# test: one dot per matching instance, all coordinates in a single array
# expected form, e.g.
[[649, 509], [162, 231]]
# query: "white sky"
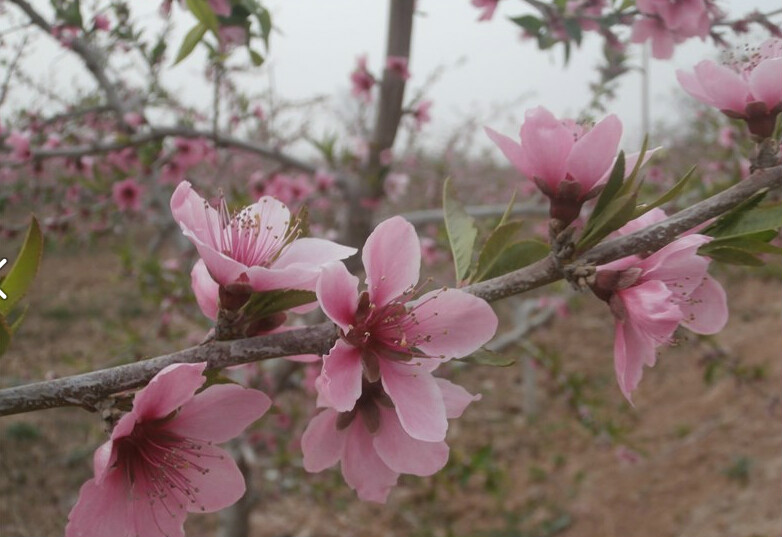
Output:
[[315, 49]]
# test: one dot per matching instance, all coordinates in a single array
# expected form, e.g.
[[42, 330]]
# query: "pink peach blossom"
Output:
[[667, 23], [421, 114], [487, 7], [650, 297], [388, 335], [221, 7], [373, 446], [20, 146], [398, 65], [362, 80], [259, 245], [747, 89], [127, 195], [568, 162], [101, 22], [160, 464]]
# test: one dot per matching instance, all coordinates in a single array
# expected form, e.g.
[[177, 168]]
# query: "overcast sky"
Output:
[[487, 63]]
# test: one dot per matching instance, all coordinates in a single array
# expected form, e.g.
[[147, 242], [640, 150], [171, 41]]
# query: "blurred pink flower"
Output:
[[134, 119], [487, 7], [20, 146], [398, 65], [388, 335], [362, 80], [232, 37], [127, 195], [748, 89], [101, 22], [259, 245], [395, 186], [650, 297], [421, 114], [160, 463], [221, 7], [668, 23], [727, 137], [373, 446]]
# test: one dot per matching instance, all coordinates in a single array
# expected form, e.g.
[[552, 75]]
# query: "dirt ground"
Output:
[[690, 459]]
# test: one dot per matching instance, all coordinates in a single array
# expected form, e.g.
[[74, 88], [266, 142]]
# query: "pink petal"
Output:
[[725, 87], [451, 323], [363, 469], [403, 454], [392, 259], [337, 292], [418, 400], [312, 252], [193, 213], [455, 397], [593, 153], [509, 148], [172, 387], [631, 350], [651, 311], [101, 510], [692, 85], [294, 277], [765, 81], [220, 412], [206, 290], [322, 443], [223, 269], [706, 308], [678, 265], [220, 487], [152, 517], [341, 376], [273, 215], [545, 146], [103, 459]]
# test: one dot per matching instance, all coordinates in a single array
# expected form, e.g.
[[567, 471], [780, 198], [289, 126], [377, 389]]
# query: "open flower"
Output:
[[362, 80], [748, 88], [160, 463], [568, 162], [667, 23], [650, 297], [258, 246], [372, 445], [127, 194], [389, 335]]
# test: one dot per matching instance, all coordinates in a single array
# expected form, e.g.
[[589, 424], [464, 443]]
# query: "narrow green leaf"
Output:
[[508, 210], [749, 245], [609, 192], [203, 12], [630, 184], [759, 219], [668, 196], [734, 256], [518, 255], [270, 302], [618, 213], [21, 274], [265, 21], [498, 240], [529, 22], [728, 219], [484, 356], [256, 58], [190, 41], [461, 231]]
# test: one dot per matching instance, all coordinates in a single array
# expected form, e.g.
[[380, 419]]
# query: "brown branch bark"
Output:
[[89, 388]]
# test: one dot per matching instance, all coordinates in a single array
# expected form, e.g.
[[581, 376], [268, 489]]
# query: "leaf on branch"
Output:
[[516, 256], [256, 58], [268, 303], [203, 12], [747, 220], [5, 335], [530, 23], [22, 273], [461, 231], [484, 356], [496, 243], [190, 41], [668, 196]]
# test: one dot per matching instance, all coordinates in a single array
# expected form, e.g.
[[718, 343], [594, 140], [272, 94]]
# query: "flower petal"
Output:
[[223, 269], [172, 387], [417, 398], [402, 453], [101, 510], [206, 290], [451, 323], [363, 469], [690, 83], [220, 412], [193, 213], [706, 308], [322, 443], [222, 485], [724, 86], [337, 292], [509, 148], [765, 81], [392, 259], [545, 146], [312, 252], [678, 265], [455, 397], [593, 153], [340, 380]]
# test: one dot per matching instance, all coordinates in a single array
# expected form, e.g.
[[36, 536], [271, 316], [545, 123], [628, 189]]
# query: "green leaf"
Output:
[[618, 213], [747, 222], [508, 210], [573, 29], [5, 336], [752, 244], [270, 302], [518, 255], [265, 21], [190, 41], [203, 12], [256, 58], [22, 273], [609, 191], [461, 231], [668, 196], [499, 240], [484, 356], [529, 22], [735, 256]]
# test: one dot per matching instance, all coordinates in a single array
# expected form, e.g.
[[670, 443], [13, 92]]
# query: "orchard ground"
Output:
[[692, 458]]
